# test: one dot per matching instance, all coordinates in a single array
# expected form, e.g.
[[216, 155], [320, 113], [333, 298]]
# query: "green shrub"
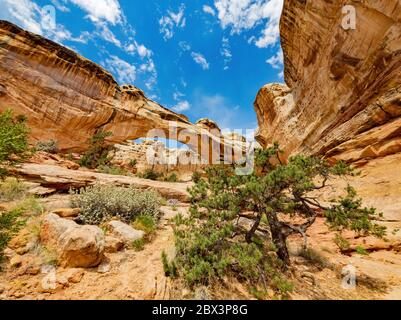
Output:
[[342, 243], [146, 223], [172, 178], [133, 163], [196, 176], [150, 174], [139, 245], [170, 268], [30, 206], [98, 152], [13, 139], [12, 189], [50, 146], [362, 251], [101, 203], [112, 170], [10, 224]]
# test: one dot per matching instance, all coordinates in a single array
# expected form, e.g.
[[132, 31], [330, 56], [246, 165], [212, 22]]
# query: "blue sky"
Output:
[[200, 58]]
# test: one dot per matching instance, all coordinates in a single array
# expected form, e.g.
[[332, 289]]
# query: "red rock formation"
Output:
[[68, 98], [343, 98]]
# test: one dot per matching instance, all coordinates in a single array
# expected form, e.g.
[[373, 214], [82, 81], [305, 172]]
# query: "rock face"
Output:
[[343, 98], [155, 156], [76, 246], [63, 179], [68, 98]]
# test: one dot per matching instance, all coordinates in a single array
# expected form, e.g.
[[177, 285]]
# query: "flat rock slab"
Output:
[[56, 177], [125, 232]]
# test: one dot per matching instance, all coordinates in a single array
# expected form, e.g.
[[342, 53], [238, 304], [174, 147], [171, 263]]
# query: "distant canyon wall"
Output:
[[343, 92]]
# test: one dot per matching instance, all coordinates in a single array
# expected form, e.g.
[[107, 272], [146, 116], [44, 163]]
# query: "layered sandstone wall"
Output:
[[343, 92], [69, 98]]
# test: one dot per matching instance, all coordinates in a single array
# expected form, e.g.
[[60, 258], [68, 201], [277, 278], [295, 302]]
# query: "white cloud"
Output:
[[140, 49], [143, 51], [240, 15], [60, 6], [125, 72], [172, 20], [178, 95], [39, 20], [201, 60], [209, 10], [185, 46], [181, 106], [101, 10], [226, 52], [106, 34], [25, 13], [276, 61]]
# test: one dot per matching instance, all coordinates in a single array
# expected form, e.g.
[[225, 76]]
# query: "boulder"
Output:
[[125, 232], [113, 244], [76, 246]]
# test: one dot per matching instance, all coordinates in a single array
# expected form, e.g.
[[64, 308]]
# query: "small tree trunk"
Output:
[[279, 239], [251, 233]]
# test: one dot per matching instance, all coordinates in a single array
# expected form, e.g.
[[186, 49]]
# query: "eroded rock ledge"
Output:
[[343, 92]]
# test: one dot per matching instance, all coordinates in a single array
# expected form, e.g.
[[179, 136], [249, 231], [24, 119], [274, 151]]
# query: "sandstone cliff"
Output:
[[68, 98], [343, 92]]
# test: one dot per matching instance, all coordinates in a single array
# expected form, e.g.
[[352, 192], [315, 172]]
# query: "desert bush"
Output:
[[98, 152], [150, 174], [171, 178], [30, 206], [12, 189], [139, 245], [13, 139], [146, 223], [170, 269], [10, 224], [196, 176], [132, 163], [362, 251], [50, 146], [101, 203], [342, 243], [112, 170]]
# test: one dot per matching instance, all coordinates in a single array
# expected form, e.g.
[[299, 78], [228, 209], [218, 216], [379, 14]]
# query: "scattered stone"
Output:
[[16, 261], [70, 276], [113, 244], [9, 253], [76, 246], [104, 267], [125, 232], [67, 212]]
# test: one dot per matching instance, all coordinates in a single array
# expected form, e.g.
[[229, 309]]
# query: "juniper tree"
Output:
[[98, 152], [278, 200], [13, 139]]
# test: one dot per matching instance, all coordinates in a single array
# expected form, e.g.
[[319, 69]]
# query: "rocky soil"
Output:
[[97, 264]]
